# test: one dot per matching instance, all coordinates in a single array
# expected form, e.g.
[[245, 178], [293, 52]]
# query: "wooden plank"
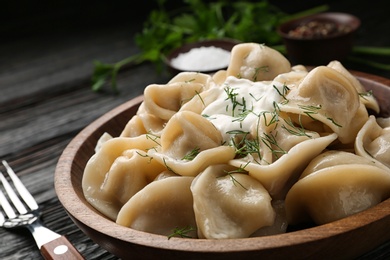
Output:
[[43, 105]]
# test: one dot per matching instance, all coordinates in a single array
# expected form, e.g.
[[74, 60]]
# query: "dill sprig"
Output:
[[293, 129], [256, 99], [241, 117], [200, 97], [153, 137], [232, 96], [145, 156], [282, 92], [191, 154], [310, 110], [238, 170], [245, 146], [168, 167], [274, 115], [270, 141], [258, 70], [334, 122], [182, 232], [365, 94]]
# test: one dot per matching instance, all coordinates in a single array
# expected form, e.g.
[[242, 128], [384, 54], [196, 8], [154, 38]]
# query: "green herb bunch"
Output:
[[197, 20], [248, 21]]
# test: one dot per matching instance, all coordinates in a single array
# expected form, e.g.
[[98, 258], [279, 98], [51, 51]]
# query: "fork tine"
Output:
[[12, 195], [2, 219], [4, 202], [24, 193]]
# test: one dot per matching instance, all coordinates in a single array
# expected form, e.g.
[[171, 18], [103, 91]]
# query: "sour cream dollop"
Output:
[[240, 103]]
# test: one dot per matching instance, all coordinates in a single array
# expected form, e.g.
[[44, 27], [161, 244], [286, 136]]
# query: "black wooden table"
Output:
[[46, 99]]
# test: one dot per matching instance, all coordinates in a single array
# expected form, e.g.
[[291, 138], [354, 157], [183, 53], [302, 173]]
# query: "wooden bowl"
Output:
[[320, 51], [345, 238]]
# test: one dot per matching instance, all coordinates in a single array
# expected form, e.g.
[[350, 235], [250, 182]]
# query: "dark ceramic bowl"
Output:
[[225, 44], [309, 50]]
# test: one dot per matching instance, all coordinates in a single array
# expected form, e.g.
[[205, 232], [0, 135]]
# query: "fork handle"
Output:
[[59, 249]]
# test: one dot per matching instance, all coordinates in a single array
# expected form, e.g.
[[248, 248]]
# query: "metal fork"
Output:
[[51, 244]]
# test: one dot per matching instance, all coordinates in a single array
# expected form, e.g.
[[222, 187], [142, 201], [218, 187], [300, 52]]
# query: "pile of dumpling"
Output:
[[244, 152]]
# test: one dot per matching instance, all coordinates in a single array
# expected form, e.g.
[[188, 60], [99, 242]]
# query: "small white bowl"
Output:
[[218, 45]]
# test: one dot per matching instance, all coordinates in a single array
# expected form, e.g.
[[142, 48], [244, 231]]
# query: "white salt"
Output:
[[202, 59]]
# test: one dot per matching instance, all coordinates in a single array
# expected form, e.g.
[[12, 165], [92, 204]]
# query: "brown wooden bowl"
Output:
[[345, 238]]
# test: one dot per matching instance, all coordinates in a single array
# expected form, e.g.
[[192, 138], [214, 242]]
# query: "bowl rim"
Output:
[[348, 18], [90, 217]]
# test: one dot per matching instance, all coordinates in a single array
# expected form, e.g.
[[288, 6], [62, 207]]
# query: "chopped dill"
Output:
[[168, 168], [182, 232], [232, 96], [295, 130], [191, 155], [284, 91], [256, 99], [334, 122], [190, 80], [153, 137], [238, 170], [366, 94], [270, 141], [310, 110], [258, 70], [145, 156], [200, 97], [245, 146]]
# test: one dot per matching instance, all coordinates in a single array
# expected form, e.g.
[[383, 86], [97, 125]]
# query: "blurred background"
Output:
[[51, 21], [25, 18]]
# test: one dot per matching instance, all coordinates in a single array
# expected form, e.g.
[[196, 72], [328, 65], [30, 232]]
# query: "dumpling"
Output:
[[327, 96], [256, 62], [373, 142], [163, 101], [292, 78], [200, 101], [143, 123], [280, 224], [104, 138], [219, 77], [129, 173], [193, 77], [187, 131], [161, 207], [102, 162], [189, 143], [165, 174], [192, 167], [335, 185], [365, 97], [277, 138], [229, 204], [279, 176]]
